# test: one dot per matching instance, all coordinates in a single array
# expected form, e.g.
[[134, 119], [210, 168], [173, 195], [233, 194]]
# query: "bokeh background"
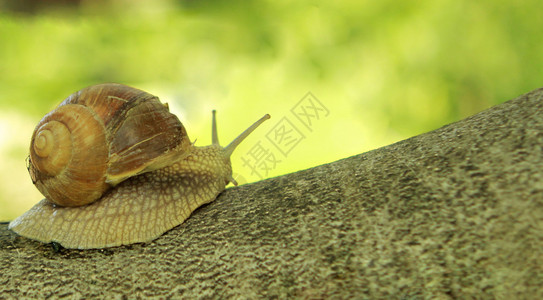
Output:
[[377, 71]]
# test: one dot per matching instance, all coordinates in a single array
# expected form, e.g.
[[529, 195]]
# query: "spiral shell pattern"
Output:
[[54, 152], [100, 136]]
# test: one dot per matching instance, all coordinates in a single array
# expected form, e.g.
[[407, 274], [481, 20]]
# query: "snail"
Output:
[[116, 168]]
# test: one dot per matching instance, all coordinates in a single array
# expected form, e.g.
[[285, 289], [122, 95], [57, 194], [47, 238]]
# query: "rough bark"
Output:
[[453, 213]]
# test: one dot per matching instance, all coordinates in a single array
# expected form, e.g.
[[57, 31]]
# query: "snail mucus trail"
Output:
[[116, 168]]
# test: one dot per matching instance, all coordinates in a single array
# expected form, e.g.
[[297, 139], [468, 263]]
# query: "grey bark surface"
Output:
[[453, 213]]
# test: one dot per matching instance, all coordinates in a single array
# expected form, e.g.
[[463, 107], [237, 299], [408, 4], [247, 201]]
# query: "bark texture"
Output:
[[453, 213]]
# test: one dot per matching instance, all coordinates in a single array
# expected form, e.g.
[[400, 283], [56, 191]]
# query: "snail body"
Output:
[[136, 176]]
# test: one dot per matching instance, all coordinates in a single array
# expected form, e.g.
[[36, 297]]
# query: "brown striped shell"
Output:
[[100, 136], [116, 167]]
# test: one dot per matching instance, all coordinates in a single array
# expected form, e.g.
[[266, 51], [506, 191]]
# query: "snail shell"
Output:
[[97, 138], [116, 167]]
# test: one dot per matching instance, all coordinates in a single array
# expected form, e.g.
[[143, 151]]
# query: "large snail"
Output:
[[116, 167]]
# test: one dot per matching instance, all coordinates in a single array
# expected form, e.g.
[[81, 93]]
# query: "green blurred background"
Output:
[[383, 70]]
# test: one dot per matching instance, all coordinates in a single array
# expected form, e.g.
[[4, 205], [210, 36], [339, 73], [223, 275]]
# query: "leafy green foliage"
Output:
[[386, 70]]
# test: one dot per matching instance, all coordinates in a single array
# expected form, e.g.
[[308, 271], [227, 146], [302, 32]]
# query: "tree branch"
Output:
[[456, 212]]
